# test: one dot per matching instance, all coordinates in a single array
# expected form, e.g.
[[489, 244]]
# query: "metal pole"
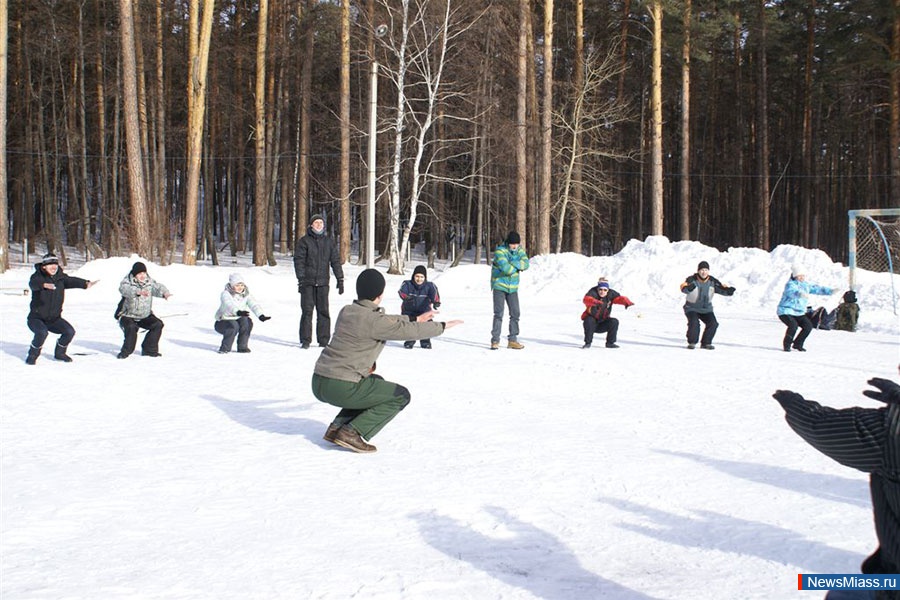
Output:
[[373, 130]]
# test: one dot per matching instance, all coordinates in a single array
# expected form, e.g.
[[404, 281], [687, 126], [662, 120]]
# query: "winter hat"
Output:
[[849, 296], [138, 267], [316, 217], [49, 259], [513, 238], [703, 265], [421, 269], [369, 284], [797, 270], [603, 285], [234, 279]]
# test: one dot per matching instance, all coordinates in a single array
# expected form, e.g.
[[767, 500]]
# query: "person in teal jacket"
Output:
[[792, 308], [509, 259]]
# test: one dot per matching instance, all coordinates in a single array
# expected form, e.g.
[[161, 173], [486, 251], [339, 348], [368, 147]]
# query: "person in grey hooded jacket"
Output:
[[233, 317], [138, 291]]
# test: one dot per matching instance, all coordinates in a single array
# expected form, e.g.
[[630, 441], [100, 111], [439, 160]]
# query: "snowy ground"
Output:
[[649, 471]]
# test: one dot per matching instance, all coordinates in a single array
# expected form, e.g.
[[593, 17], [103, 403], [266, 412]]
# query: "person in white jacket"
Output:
[[233, 317]]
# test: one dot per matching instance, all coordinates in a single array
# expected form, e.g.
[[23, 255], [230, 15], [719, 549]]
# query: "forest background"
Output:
[[178, 129]]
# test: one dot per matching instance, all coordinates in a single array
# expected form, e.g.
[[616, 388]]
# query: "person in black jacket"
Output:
[[867, 439], [313, 254], [699, 290], [48, 292]]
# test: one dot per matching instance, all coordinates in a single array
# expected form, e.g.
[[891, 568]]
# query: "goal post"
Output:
[[874, 243]]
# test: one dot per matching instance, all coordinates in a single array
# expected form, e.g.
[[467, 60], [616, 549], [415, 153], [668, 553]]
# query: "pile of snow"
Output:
[[649, 471]]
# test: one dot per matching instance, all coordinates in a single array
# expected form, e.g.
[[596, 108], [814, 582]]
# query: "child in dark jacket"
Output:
[[419, 296], [48, 286], [847, 312], [699, 290], [598, 303]]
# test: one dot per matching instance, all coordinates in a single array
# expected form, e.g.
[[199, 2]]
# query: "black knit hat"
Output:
[[138, 267], [316, 217], [369, 284], [513, 238], [49, 259], [703, 265], [850, 296], [421, 269]]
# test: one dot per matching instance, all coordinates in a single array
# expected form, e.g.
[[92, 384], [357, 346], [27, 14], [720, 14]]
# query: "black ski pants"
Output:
[[150, 345], [793, 323], [42, 328], [314, 297], [693, 329], [231, 328], [592, 326]]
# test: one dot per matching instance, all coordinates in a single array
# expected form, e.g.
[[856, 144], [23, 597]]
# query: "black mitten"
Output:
[[690, 287], [435, 304], [264, 318], [888, 391], [243, 313], [340, 286], [729, 291], [787, 396]]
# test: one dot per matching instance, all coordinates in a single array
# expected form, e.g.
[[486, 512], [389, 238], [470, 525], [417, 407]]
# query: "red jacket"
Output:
[[598, 307]]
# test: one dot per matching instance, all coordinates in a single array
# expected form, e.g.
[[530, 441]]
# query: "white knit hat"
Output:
[[234, 279], [797, 270]]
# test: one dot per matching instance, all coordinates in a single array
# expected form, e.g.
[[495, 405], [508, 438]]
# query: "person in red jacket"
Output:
[[598, 303]]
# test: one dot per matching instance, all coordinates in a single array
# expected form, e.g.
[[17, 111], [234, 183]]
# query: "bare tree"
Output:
[[685, 221], [4, 76], [198, 49], [345, 132], [656, 135], [544, 200], [261, 199], [522, 120]]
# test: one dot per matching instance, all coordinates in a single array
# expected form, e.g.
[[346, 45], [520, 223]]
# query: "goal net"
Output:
[[875, 243]]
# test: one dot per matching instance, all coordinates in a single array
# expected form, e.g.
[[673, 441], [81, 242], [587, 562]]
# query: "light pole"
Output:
[[380, 31]]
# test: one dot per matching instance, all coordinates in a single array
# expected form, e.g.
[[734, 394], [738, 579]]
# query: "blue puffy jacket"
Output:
[[795, 297]]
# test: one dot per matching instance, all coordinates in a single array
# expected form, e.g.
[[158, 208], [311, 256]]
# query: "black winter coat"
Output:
[[867, 439], [313, 254], [47, 304]]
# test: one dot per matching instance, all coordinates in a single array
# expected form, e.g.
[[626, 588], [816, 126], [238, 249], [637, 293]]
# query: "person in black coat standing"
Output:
[[867, 439], [314, 253], [48, 286]]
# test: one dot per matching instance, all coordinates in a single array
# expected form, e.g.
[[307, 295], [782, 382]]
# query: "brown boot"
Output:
[[514, 345], [350, 439], [331, 433]]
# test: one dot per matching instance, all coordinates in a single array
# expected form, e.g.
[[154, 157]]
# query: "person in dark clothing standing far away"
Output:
[[598, 303], [233, 317], [48, 286], [509, 259], [344, 374], [847, 312], [699, 290], [138, 291], [792, 308], [866, 439], [419, 296], [313, 254]]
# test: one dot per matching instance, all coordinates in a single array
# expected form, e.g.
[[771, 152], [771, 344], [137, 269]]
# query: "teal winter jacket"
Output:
[[506, 266], [795, 297]]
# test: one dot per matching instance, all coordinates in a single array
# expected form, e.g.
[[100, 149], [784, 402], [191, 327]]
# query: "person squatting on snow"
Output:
[[598, 303], [792, 308], [418, 296], [48, 286], [866, 439], [233, 316], [509, 259], [847, 312], [343, 375], [138, 291], [313, 254], [699, 290]]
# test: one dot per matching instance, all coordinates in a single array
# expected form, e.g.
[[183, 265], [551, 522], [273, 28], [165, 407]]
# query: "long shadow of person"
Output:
[[267, 415], [715, 531], [524, 556]]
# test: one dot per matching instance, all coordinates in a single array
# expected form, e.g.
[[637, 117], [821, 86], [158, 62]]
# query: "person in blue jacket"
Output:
[[419, 296], [792, 308]]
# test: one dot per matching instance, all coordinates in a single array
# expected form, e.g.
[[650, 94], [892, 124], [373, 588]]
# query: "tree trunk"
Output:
[[656, 135], [140, 222], [4, 77], [762, 136], [577, 189], [303, 203], [345, 132], [685, 229], [894, 179], [521, 121], [544, 199], [261, 198]]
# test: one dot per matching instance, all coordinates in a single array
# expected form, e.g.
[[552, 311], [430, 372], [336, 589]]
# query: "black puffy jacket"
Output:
[[313, 254], [47, 304]]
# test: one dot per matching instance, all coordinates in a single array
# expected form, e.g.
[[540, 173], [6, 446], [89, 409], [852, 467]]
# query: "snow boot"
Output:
[[350, 439], [59, 353], [33, 354], [409, 344]]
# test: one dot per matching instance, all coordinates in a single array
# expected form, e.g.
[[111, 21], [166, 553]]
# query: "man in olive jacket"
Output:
[[343, 374], [867, 439], [313, 254]]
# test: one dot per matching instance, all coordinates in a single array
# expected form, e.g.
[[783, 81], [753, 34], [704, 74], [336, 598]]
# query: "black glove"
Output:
[[435, 305], [340, 286], [264, 318], [627, 305], [243, 313], [690, 287], [299, 287], [786, 396], [888, 391], [728, 291]]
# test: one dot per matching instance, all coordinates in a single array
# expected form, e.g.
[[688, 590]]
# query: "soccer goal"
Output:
[[874, 237]]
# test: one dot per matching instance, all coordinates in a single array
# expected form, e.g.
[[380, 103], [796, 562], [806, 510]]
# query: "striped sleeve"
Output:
[[854, 437]]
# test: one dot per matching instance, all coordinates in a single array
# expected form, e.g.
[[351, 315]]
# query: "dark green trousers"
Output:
[[367, 406]]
